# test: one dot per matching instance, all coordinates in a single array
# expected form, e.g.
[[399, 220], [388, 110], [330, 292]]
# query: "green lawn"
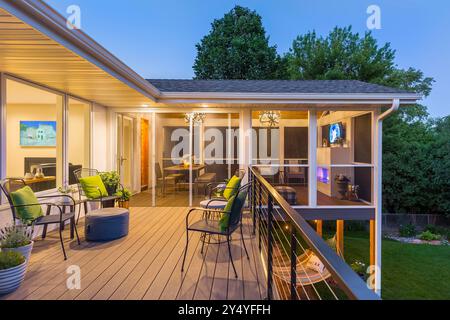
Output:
[[409, 271]]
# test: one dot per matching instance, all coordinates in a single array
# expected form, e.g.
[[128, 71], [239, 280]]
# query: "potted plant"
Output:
[[13, 266], [111, 181], [342, 186], [17, 238], [124, 198]]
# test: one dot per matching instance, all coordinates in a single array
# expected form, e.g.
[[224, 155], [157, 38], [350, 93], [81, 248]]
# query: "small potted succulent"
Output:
[[17, 238], [111, 180], [13, 267], [124, 198]]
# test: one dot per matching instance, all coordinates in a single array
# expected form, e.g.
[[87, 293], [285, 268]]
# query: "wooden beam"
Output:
[[333, 214], [319, 227], [372, 242], [340, 236]]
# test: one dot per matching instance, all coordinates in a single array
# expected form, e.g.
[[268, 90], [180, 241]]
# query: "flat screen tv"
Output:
[[337, 133]]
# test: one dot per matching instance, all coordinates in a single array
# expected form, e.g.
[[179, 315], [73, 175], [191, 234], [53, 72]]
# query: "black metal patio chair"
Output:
[[11, 185], [209, 224], [108, 201]]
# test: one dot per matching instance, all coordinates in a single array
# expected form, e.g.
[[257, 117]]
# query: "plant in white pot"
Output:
[[13, 267], [17, 238]]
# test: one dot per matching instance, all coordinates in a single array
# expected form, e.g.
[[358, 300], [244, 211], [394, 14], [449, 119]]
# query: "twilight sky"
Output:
[[157, 38]]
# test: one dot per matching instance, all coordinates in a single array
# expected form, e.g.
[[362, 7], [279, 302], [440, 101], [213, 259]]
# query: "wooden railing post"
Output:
[[269, 246]]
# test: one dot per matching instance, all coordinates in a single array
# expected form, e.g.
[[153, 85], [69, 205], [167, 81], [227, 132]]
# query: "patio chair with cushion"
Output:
[[229, 222], [219, 194], [25, 207], [92, 189]]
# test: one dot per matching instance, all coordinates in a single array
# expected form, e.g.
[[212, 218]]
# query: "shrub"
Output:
[[15, 236], [359, 267], [429, 236], [124, 195], [407, 230], [10, 259]]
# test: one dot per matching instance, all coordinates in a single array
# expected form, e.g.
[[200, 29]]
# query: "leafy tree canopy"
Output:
[[237, 48]]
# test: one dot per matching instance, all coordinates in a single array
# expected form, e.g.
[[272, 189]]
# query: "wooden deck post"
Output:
[[319, 227], [340, 236], [372, 242]]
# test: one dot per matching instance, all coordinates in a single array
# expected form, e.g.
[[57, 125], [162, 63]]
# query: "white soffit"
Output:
[[30, 54]]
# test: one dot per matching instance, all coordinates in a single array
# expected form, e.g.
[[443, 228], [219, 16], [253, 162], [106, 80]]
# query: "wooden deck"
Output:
[[145, 265]]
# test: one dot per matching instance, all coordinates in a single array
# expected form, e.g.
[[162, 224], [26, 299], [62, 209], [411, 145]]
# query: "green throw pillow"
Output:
[[232, 187], [225, 219], [26, 196], [91, 187]]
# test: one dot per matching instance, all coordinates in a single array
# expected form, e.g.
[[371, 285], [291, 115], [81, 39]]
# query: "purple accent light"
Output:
[[323, 175]]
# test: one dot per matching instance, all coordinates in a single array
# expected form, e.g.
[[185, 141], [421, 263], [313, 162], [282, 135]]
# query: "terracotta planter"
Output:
[[124, 204], [25, 251], [11, 279]]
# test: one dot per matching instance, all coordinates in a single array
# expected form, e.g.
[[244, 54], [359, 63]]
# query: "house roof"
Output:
[[273, 86]]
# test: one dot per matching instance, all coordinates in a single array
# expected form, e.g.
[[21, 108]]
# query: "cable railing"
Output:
[[299, 264]]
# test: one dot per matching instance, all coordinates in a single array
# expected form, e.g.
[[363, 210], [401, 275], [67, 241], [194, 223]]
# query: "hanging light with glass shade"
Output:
[[196, 117], [270, 118]]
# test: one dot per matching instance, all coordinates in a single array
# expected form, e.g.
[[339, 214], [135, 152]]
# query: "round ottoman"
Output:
[[288, 193], [107, 224]]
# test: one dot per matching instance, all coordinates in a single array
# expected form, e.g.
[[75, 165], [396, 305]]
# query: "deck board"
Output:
[[144, 265]]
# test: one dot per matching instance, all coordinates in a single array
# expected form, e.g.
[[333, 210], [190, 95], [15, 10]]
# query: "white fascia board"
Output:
[[285, 98], [46, 20]]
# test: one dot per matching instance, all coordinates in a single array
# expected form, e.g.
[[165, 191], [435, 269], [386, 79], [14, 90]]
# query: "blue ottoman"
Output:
[[107, 224]]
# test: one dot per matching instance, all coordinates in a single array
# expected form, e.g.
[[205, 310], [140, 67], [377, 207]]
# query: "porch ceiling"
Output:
[[30, 54]]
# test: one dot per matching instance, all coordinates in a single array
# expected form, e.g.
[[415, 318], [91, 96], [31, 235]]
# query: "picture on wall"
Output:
[[38, 133]]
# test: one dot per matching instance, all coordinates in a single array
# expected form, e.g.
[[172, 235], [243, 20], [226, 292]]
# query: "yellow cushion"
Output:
[[225, 219], [232, 187], [26, 196], [93, 187]]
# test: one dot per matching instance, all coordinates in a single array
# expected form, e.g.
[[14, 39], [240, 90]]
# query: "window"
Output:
[[34, 135], [344, 158], [78, 139]]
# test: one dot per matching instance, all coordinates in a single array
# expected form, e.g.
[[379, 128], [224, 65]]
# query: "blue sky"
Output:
[[157, 38]]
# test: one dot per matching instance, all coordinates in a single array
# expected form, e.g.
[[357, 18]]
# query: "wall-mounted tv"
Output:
[[337, 133]]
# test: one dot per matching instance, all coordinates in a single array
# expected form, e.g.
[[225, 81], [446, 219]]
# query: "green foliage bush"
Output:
[[124, 195], [429, 236], [10, 259], [407, 230]]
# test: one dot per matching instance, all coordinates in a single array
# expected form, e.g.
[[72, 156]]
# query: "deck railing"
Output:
[[289, 246]]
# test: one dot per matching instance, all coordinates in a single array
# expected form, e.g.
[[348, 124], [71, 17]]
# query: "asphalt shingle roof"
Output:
[[273, 86]]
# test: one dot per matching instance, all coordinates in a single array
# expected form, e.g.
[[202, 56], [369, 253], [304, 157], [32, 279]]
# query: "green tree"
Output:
[[440, 177], [237, 48]]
